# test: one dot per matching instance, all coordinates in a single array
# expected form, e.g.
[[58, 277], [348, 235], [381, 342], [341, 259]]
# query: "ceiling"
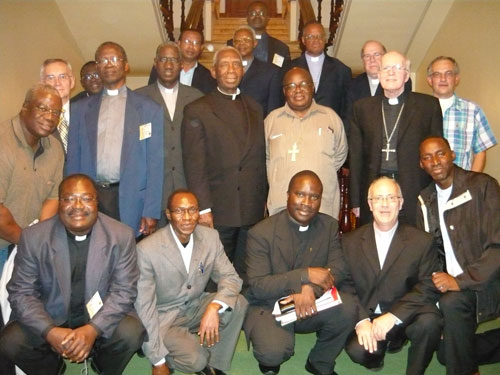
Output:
[[405, 25]]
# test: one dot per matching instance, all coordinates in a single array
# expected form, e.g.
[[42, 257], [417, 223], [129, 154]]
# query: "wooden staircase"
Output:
[[223, 29]]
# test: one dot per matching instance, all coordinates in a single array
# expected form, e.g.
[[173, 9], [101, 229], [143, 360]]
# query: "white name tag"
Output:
[[278, 60], [145, 131], [94, 305]]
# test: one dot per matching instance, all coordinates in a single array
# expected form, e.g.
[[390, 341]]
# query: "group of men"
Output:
[[198, 150]]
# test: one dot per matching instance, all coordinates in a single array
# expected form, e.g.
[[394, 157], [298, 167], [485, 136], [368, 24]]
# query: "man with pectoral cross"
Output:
[[303, 135], [385, 134]]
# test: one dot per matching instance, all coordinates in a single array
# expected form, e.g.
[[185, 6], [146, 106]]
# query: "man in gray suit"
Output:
[[172, 96], [188, 329], [73, 288]]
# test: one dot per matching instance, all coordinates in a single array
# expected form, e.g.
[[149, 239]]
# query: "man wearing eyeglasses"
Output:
[[391, 265], [116, 138], [385, 134], [331, 76], [173, 96], [188, 329], [31, 165], [73, 288], [303, 135], [90, 80], [367, 84], [464, 123], [59, 74]]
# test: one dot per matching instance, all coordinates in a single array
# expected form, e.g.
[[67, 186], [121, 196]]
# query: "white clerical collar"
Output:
[[393, 101], [116, 91], [81, 238], [166, 90], [233, 96], [373, 81], [303, 228], [258, 36], [314, 59], [111, 92], [385, 234]]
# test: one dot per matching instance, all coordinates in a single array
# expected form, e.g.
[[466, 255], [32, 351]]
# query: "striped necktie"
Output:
[[63, 128]]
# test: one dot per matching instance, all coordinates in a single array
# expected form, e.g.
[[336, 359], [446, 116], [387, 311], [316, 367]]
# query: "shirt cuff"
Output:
[[205, 211], [398, 321], [361, 321], [160, 362], [224, 307]]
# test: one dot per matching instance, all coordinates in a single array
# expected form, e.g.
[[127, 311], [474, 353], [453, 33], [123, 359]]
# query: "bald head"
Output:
[[393, 74]]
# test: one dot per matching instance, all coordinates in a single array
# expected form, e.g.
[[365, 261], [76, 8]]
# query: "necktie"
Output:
[[63, 128]]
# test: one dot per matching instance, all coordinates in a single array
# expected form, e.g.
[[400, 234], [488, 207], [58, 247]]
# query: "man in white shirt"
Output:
[[391, 266], [188, 329]]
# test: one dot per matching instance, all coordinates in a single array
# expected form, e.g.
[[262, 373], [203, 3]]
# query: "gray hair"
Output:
[[372, 41], [247, 28], [169, 44], [225, 48], [456, 68], [52, 61], [387, 179], [43, 87]]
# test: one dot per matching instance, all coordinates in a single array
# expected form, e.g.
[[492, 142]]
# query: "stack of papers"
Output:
[[329, 299]]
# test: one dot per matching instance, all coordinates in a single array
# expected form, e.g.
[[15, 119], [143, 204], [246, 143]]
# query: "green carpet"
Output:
[[245, 364]]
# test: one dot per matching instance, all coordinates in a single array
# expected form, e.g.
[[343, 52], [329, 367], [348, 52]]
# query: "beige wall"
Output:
[[471, 34], [30, 33]]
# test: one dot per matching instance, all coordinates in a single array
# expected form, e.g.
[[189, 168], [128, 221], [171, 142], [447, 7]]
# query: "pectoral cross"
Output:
[[386, 150], [294, 151]]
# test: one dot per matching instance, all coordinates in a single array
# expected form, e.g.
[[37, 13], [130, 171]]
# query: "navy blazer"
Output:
[[141, 168]]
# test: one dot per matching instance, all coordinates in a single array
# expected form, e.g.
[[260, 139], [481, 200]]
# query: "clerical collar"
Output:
[[302, 228], [233, 96], [258, 36], [166, 90], [315, 59], [115, 92], [373, 81], [76, 238], [396, 101]]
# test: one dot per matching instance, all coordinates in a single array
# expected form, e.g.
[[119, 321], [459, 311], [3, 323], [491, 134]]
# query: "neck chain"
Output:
[[387, 136]]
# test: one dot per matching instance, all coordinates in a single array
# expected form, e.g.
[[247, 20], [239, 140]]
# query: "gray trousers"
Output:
[[181, 339]]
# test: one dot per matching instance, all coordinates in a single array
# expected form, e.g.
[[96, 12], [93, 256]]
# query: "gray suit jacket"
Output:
[[166, 291], [173, 166], [40, 287]]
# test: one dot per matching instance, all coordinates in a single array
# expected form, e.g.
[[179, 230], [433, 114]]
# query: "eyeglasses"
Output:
[[181, 211], [86, 199], [254, 13], [191, 42], [447, 74], [304, 85], [46, 110], [113, 60], [394, 68], [388, 198], [243, 40], [314, 37], [61, 77], [368, 57], [165, 59], [91, 76]]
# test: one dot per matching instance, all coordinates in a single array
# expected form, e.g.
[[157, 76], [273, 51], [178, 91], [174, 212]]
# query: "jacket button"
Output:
[[238, 188], [452, 227], [189, 286]]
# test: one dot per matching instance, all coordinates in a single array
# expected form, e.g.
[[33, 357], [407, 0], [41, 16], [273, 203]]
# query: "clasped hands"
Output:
[[370, 332], [72, 344], [305, 301]]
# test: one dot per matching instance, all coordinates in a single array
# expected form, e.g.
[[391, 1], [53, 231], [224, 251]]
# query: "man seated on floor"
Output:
[[462, 210], [391, 266], [73, 288], [296, 253], [188, 329]]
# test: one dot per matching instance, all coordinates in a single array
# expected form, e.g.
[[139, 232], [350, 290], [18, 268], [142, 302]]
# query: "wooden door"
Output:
[[238, 8]]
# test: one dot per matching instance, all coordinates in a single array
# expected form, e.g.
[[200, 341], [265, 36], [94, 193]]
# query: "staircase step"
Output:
[[223, 28]]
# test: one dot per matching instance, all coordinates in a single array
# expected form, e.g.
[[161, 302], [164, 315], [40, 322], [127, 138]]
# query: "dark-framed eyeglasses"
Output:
[[113, 60], [304, 85], [91, 76]]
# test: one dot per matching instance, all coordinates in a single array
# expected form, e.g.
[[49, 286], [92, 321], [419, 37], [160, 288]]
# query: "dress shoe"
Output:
[[313, 370], [209, 370], [269, 370]]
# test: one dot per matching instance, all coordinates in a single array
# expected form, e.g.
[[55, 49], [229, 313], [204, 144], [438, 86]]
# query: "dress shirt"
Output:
[[186, 78], [110, 127], [169, 97], [373, 82], [452, 266], [315, 65]]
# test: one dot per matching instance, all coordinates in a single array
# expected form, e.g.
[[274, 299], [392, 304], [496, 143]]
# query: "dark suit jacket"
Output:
[[262, 81], [174, 169], [40, 287], [225, 177], [272, 268], [141, 169], [359, 88], [421, 117], [333, 83], [81, 95], [275, 46], [404, 284], [202, 79]]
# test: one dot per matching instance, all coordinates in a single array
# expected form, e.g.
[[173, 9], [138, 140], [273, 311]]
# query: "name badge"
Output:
[[278, 60], [145, 131], [94, 305]]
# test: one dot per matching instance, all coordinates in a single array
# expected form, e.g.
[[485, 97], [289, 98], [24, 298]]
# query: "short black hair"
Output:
[[77, 176], [179, 191], [88, 63], [304, 173], [194, 31], [111, 44]]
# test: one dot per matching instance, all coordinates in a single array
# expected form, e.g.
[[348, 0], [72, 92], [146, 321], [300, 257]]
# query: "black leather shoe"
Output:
[[313, 370], [269, 370], [209, 370]]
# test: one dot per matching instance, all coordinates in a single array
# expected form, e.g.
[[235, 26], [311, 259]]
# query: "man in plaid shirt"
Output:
[[464, 123]]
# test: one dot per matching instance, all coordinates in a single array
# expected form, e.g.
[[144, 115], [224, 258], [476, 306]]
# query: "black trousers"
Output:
[[234, 240], [424, 333], [109, 201], [6, 366], [35, 356]]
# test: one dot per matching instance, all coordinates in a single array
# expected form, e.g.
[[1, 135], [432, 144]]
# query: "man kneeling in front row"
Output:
[[73, 288], [188, 329]]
